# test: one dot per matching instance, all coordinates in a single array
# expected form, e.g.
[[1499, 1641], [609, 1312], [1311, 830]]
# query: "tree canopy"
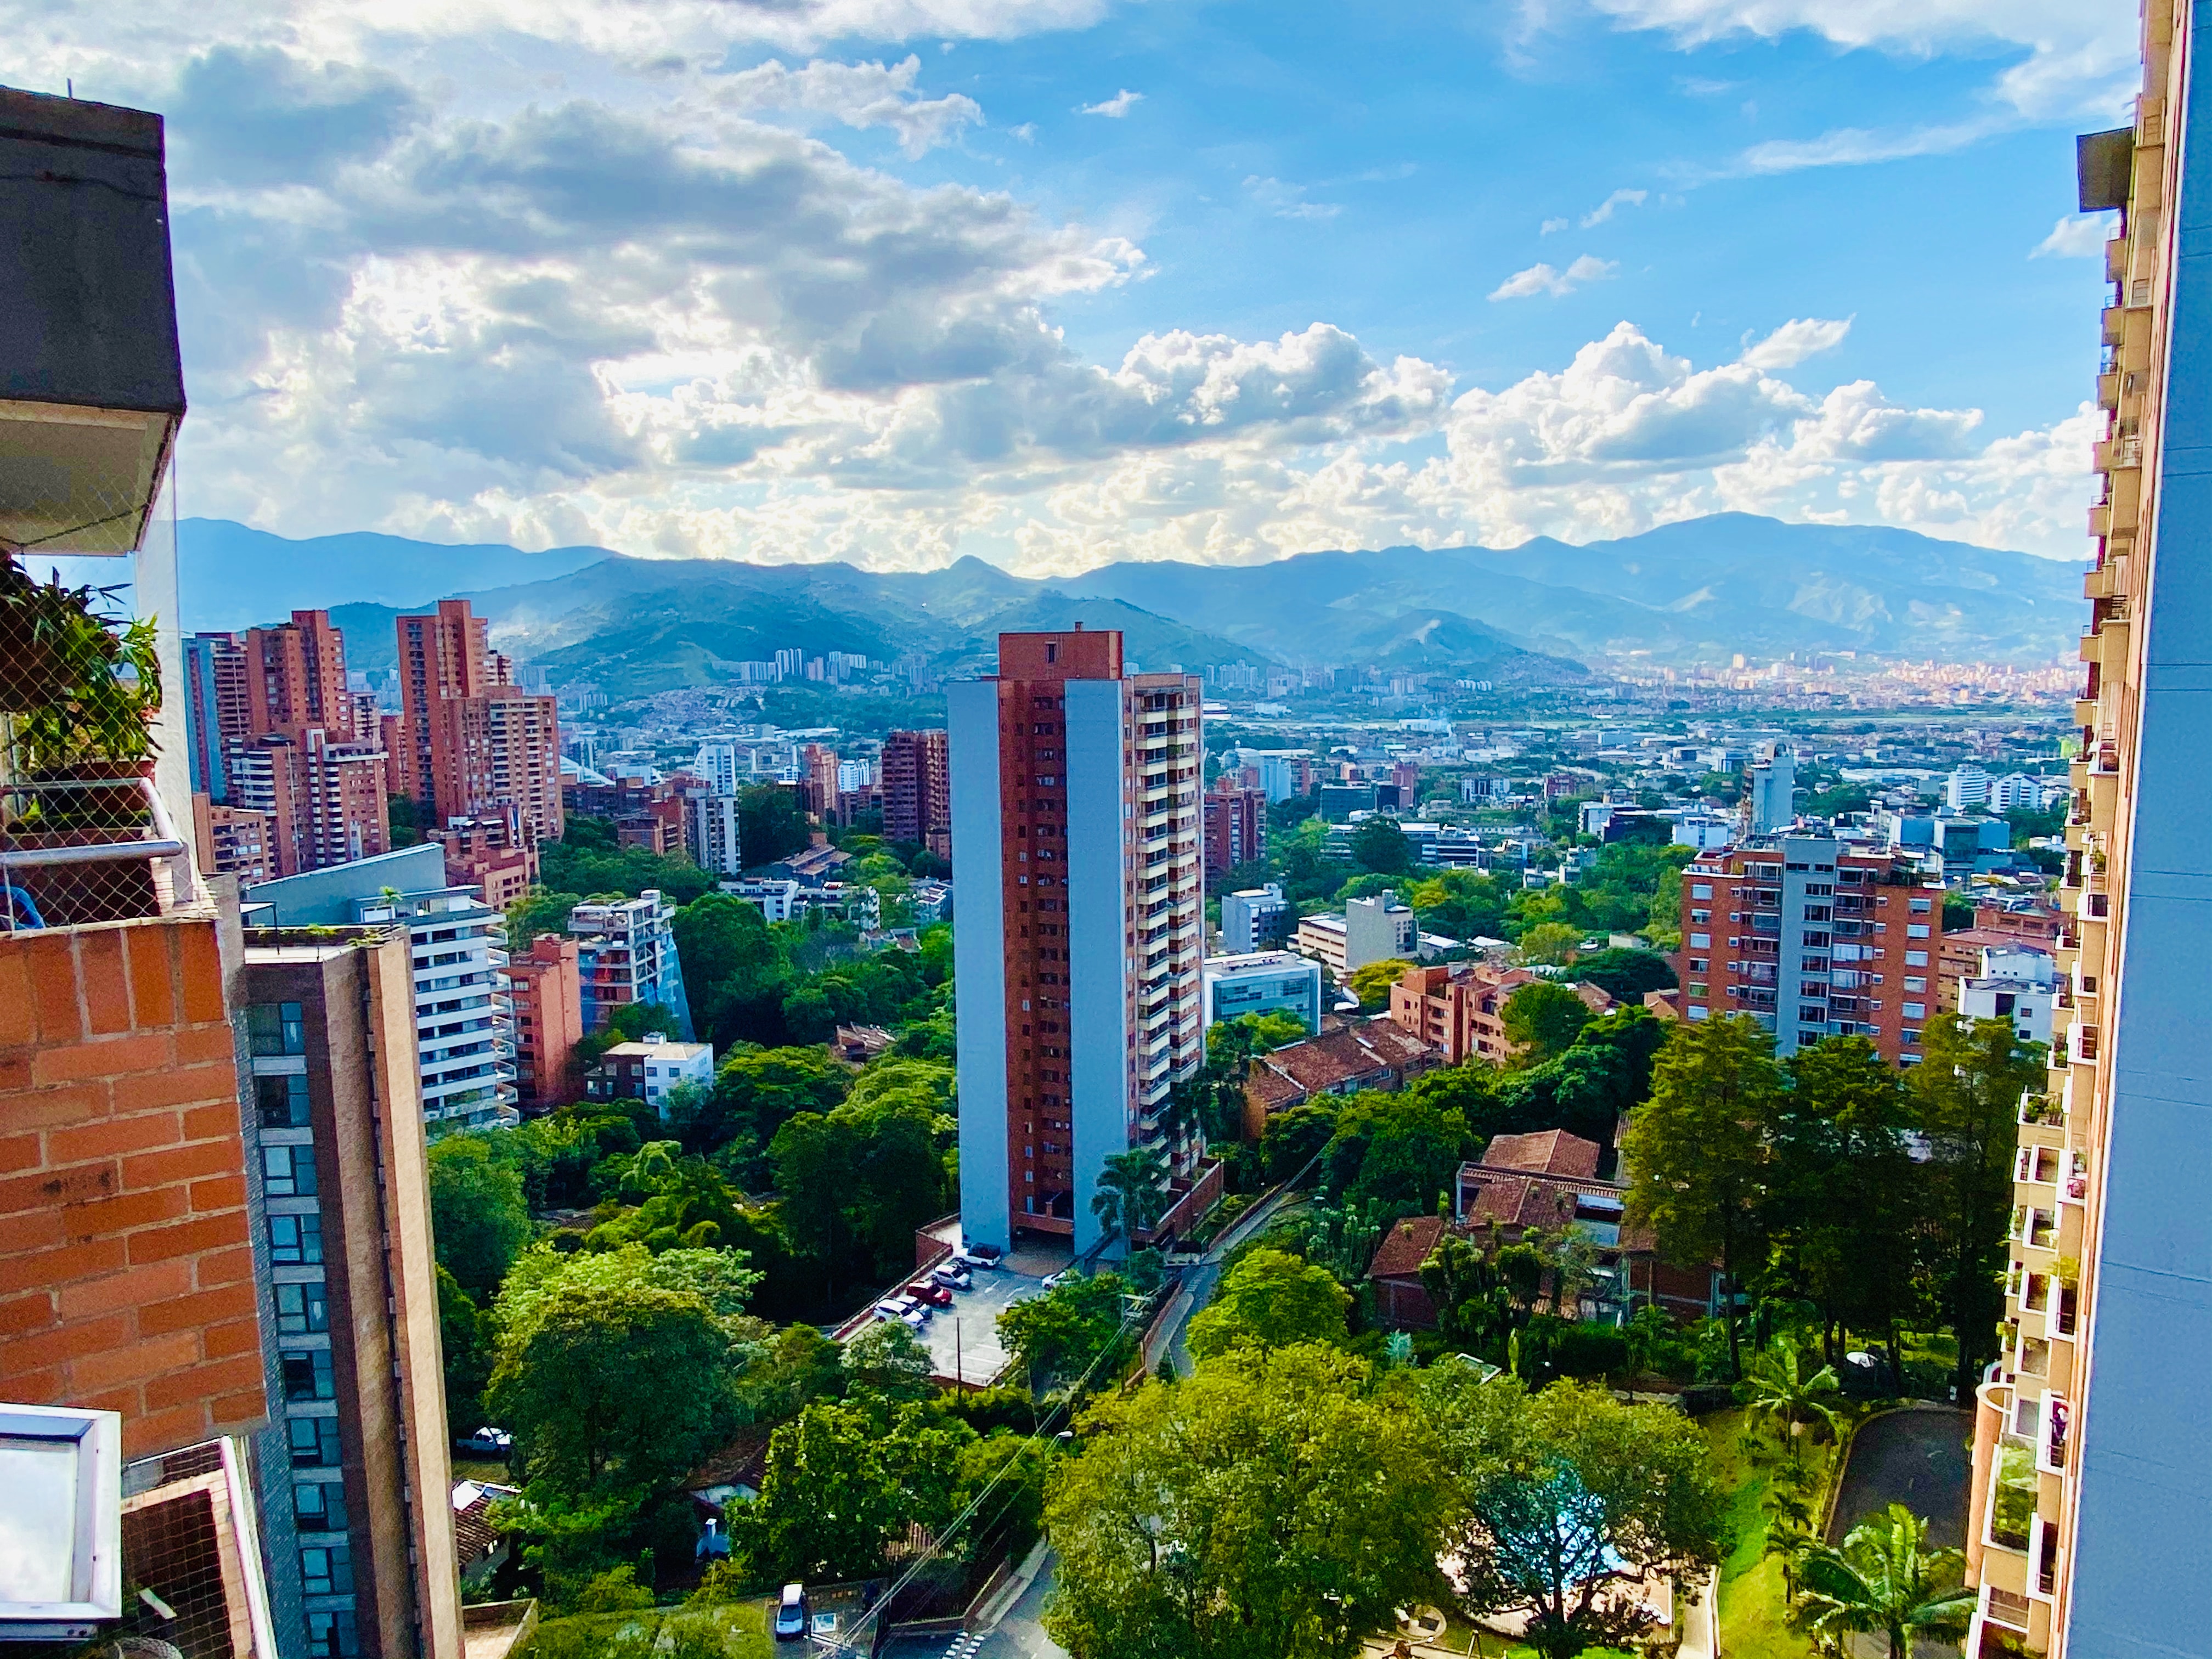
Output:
[[1270, 1299]]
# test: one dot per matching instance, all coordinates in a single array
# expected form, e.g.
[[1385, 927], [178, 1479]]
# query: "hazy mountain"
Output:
[[1695, 592]]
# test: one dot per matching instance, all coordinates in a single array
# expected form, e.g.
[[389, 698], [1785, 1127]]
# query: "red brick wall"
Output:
[[126, 1272]]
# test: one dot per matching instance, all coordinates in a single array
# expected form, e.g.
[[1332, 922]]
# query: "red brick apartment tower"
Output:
[[1811, 938], [1075, 818], [545, 983], [1236, 827], [295, 678], [918, 789], [468, 742]]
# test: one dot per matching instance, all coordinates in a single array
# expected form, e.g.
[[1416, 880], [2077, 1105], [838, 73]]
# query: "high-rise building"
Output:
[[469, 742], [817, 778], [1079, 935], [627, 953], [918, 790], [710, 825], [2084, 1522], [324, 800], [355, 1486], [1812, 938], [1773, 792], [215, 707], [545, 990], [232, 841], [1235, 829], [1967, 788]]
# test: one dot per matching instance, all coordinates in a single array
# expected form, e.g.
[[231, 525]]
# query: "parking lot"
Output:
[[964, 1339]]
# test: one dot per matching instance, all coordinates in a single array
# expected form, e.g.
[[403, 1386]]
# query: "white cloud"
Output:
[[1026, 132], [1857, 146], [2077, 236], [1288, 201], [2071, 59], [858, 95], [1115, 108], [1605, 210], [1796, 340], [1542, 279], [1551, 225]]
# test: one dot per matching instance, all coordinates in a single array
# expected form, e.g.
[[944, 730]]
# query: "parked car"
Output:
[[935, 1295], [951, 1278], [990, 1253], [791, 1614], [969, 1259], [488, 1443], [1065, 1276]]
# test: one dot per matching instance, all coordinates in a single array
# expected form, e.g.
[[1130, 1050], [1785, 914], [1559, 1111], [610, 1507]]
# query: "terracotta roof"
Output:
[[743, 1463], [1410, 1244], [473, 1537], [1322, 1063], [1552, 1151]]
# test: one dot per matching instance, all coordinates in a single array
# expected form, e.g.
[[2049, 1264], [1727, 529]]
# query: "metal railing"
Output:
[[75, 851]]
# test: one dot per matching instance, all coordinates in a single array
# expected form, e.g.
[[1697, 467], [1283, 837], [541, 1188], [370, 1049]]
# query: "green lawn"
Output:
[[1753, 1624], [735, 1632]]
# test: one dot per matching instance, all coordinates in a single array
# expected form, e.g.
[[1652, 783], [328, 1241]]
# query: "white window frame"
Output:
[[96, 1551]]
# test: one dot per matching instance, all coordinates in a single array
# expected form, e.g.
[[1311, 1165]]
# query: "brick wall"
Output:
[[127, 1271]]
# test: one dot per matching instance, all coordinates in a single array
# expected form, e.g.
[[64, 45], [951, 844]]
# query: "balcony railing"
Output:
[[87, 849]]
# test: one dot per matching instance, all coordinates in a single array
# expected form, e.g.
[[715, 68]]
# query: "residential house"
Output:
[[1367, 1053]]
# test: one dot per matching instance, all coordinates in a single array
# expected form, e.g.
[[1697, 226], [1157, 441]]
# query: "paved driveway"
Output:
[[1917, 1458], [964, 1339]]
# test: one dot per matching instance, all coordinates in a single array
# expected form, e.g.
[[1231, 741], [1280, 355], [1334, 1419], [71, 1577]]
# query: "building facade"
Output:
[[918, 789], [1811, 938], [1080, 927], [496, 855], [1369, 930], [647, 1069], [463, 1028], [353, 1469], [324, 799], [1254, 919], [1235, 830], [545, 995], [1263, 982], [2086, 1517], [626, 953], [711, 834], [470, 742]]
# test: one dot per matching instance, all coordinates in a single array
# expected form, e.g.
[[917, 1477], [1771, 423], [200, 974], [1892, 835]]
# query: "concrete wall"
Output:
[[1097, 979], [979, 960]]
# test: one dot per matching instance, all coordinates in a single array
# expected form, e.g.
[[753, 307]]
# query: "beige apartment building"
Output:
[[2092, 1467]]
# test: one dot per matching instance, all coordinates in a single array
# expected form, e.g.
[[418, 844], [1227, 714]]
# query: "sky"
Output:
[[1057, 283]]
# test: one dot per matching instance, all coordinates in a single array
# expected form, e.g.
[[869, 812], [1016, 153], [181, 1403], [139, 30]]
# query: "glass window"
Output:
[[295, 1240], [320, 1506], [276, 1028], [301, 1309], [308, 1374], [330, 1635], [288, 1171], [314, 1442], [283, 1101], [325, 1569]]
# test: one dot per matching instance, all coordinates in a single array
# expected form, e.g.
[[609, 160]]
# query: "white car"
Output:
[[969, 1259], [1065, 1276], [489, 1442]]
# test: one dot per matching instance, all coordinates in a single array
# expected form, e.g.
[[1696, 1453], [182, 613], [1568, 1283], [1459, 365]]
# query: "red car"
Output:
[[936, 1295]]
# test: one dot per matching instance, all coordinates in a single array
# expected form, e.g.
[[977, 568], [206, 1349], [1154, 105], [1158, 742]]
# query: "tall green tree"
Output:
[[1884, 1581], [1697, 1150], [843, 1482], [465, 1338], [1380, 848], [1966, 1095], [1131, 1193], [1397, 1150], [1475, 1302], [478, 1213], [1074, 1329], [1270, 1299], [1565, 1494], [1543, 1018], [1276, 1503]]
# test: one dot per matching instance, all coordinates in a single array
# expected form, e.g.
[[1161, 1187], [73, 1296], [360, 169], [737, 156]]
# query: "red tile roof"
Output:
[[1550, 1151], [1410, 1244]]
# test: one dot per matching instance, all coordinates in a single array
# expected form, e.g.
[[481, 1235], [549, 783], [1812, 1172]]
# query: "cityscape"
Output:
[[828, 978]]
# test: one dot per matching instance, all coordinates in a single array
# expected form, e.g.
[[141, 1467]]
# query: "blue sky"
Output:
[[1057, 281]]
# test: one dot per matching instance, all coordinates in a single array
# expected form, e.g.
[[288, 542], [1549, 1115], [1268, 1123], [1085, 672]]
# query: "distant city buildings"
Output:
[[470, 742], [1236, 827], [1254, 919], [917, 782]]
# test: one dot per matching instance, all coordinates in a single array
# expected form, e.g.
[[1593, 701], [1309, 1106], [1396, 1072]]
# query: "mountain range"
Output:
[[1696, 592]]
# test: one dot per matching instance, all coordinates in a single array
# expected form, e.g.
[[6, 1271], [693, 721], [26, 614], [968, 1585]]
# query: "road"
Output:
[[1916, 1458], [1020, 1634], [1200, 1280]]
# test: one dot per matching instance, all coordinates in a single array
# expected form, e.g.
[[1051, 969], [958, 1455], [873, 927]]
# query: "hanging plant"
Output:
[[84, 687]]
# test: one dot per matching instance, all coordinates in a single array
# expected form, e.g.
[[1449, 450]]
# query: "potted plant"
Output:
[[84, 687]]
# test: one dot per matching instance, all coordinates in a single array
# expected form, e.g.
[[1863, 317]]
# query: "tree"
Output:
[[1543, 1018], [730, 958], [1697, 1149], [1270, 1299], [1605, 1073], [1966, 1097], [1294, 1139], [1462, 904], [478, 1214], [1884, 1581], [1779, 1390], [1401, 1151], [889, 1360], [1566, 1494], [1274, 1504], [1625, 975], [1372, 983], [465, 1337], [1131, 1193], [843, 1482], [757, 1091], [1071, 1330], [770, 825], [719, 1280], [1475, 1305], [1381, 847], [1550, 943]]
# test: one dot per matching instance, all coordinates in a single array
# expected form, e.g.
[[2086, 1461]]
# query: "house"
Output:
[[1461, 1008], [859, 1044], [648, 1069], [1367, 1053], [732, 1476], [1401, 1301], [481, 1550]]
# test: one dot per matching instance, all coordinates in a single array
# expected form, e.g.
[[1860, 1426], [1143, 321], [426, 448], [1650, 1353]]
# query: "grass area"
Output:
[[1753, 1619], [739, 1631], [483, 1468]]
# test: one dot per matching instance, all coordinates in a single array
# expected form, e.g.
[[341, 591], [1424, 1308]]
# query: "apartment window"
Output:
[[1909, 1037], [1701, 890], [319, 1505], [1698, 964], [1806, 1039], [283, 1101], [308, 1374], [295, 1240], [1915, 982], [288, 1171], [1916, 959], [302, 1309], [1916, 1010], [314, 1442], [325, 1569], [1921, 907], [1701, 941], [1916, 930], [331, 1636], [276, 1028]]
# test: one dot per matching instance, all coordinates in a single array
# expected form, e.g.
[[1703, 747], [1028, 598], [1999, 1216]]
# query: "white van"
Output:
[[791, 1614]]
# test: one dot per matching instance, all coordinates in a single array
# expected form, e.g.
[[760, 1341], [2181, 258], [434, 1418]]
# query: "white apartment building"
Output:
[[778, 898], [464, 1023], [710, 833], [627, 953], [1967, 788], [1263, 982], [1369, 930], [1254, 918], [649, 1068]]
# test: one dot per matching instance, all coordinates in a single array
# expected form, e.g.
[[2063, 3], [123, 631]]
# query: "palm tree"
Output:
[[1884, 1581], [1131, 1193], [1776, 1387]]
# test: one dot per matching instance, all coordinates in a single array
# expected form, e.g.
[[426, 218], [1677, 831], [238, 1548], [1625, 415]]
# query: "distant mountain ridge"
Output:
[[1686, 593]]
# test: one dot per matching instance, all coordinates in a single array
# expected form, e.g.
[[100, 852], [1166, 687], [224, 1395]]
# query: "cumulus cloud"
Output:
[[1619, 199], [858, 95], [1541, 278], [1551, 225], [1796, 340], [1115, 108], [2077, 236]]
